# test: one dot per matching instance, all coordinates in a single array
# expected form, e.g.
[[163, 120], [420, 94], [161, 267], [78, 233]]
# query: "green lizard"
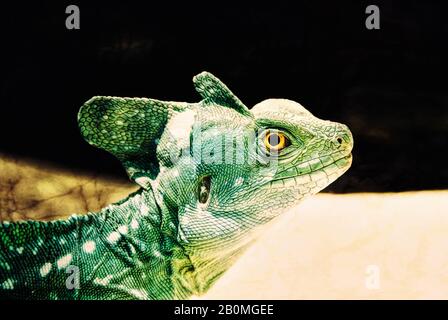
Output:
[[212, 175]]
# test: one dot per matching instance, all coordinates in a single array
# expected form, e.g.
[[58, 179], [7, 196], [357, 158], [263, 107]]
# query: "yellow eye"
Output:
[[276, 141]]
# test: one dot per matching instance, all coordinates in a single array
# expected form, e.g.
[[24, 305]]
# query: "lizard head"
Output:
[[219, 171]]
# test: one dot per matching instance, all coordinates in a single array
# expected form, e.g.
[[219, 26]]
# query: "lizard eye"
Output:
[[276, 140], [204, 189]]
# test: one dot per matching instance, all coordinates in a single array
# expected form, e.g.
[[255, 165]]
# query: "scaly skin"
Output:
[[211, 181]]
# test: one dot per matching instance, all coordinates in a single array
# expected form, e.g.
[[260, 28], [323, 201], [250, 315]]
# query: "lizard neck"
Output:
[[148, 245], [193, 271], [166, 265]]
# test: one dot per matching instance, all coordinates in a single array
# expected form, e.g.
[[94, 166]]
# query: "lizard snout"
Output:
[[343, 138]]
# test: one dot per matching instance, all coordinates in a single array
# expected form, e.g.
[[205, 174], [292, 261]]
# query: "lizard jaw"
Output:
[[320, 171]]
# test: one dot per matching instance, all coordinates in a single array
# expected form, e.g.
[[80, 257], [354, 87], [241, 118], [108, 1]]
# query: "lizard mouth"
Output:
[[314, 174], [346, 160]]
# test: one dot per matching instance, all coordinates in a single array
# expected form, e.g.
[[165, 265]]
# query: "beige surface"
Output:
[[356, 246]]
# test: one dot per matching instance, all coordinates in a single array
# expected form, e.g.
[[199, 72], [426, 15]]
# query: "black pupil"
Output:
[[274, 139], [204, 189]]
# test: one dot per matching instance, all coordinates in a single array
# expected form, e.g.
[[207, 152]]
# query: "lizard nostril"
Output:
[[343, 139]]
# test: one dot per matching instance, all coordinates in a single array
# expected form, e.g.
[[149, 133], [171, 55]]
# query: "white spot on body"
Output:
[[155, 251], [46, 268], [140, 294], [8, 284], [20, 250], [180, 125], [113, 237], [89, 246], [123, 229], [104, 282], [239, 181], [134, 224], [64, 261]]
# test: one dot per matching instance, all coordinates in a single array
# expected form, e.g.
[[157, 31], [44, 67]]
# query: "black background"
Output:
[[389, 85]]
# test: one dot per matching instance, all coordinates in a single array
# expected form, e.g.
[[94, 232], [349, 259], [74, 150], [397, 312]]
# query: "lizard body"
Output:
[[212, 175]]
